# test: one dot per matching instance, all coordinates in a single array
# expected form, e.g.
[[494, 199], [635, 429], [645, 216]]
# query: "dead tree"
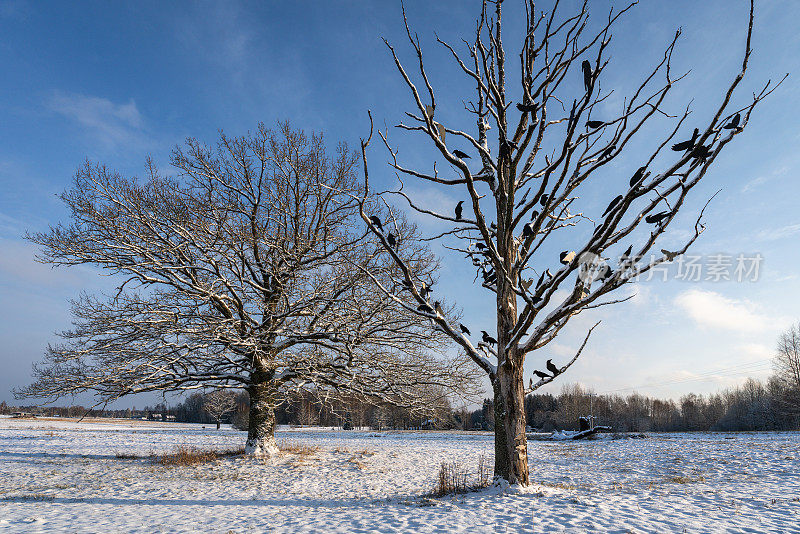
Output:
[[240, 272], [218, 404], [538, 139]]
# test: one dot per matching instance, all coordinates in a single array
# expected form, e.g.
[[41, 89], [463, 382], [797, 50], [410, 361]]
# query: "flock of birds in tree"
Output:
[[481, 257]]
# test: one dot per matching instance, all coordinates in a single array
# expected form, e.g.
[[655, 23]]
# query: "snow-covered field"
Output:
[[60, 475]]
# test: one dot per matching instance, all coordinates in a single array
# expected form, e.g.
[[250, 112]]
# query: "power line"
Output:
[[743, 368]]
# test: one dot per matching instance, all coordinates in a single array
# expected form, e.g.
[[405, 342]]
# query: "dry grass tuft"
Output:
[[685, 480], [453, 478], [300, 449], [186, 456]]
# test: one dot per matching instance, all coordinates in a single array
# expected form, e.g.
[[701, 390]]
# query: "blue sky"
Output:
[[116, 82]]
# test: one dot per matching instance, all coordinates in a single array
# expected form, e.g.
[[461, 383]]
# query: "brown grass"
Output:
[[187, 456], [300, 449], [453, 478]]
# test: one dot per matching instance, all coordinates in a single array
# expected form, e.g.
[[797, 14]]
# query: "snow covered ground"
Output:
[[61, 475]]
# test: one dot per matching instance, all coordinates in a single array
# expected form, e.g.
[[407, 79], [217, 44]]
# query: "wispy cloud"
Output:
[[775, 234], [712, 310], [109, 123]]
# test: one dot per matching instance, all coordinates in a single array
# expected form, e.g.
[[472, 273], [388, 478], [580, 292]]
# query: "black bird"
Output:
[[459, 209], [669, 255], [541, 374], [464, 329], [487, 338], [566, 257], [657, 217], [594, 124], [587, 75], [438, 307], [391, 240], [686, 145], [376, 221], [459, 154], [701, 152], [528, 108], [608, 274], [612, 205], [425, 308], [527, 230], [607, 152], [543, 200], [480, 246], [552, 368], [627, 253], [534, 215], [637, 176], [734, 124]]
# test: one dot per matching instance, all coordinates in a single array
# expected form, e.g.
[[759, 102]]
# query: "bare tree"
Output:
[[244, 271], [787, 368], [548, 142], [787, 358], [218, 404]]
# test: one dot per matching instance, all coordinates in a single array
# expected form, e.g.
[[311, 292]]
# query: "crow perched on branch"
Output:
[[486, 338], [376, 221], [657, 217], [541, 374], [612, 205], [528, 108], [459, 209], [638, 176], [459, 154], [587, 75], [552, 368], [391, 239], [464, 329], [594, 124]]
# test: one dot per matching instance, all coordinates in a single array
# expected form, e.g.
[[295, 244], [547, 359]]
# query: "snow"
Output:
[[63, 475]]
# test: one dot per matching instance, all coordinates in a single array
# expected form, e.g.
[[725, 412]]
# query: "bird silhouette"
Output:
[[543, 200], [464, 329], [657, 217], [552, 368], [459, 154], [701, 152], [734, 124], [424, 308], [541, 374], [376, 221], [612, 205], [480, 246], [638, 176], [528, 108], [437, 306], [527, 230], [534, 215], [608, 274], [391, 240], [486, 338], [587, 75], [566, 257], [686, 145], [670, 255], [627, 252], [607, 152], [459, 209], [594, 124]]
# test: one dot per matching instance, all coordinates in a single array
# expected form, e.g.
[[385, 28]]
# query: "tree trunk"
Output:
[[217, 425], [510, 441], [261, 427]]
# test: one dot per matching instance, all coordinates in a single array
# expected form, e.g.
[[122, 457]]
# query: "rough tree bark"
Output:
[[533, 152]]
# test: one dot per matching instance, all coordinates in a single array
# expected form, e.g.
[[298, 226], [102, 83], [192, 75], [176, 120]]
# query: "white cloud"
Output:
[[110, 123], [779, 233], [710, 309]]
